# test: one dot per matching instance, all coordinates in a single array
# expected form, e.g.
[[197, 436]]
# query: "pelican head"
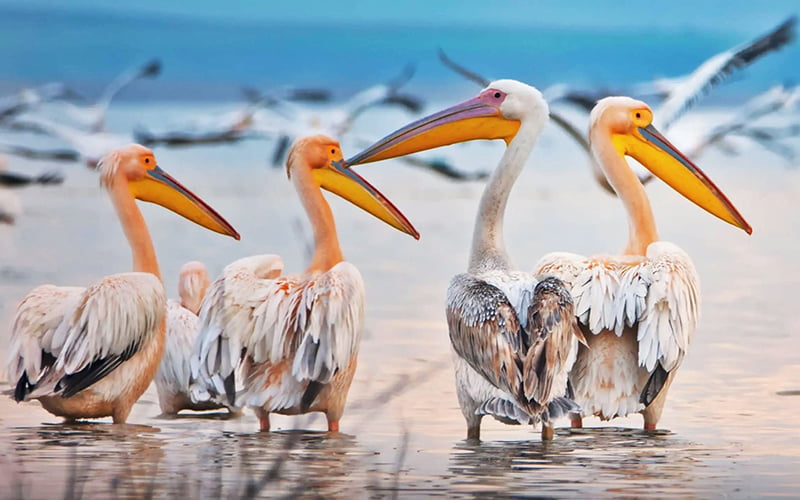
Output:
[[323, 157], [193, 282], [629, 124], [135, 167], [496, 113]]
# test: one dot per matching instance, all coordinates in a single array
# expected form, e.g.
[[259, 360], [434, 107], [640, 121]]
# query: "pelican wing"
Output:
[[485, 331], [225, 324], [668, 313], [527, 362], [659, 296], [282, 332], [98, 330], [551, 334], [719, 68], [182, 326], [37, 317]]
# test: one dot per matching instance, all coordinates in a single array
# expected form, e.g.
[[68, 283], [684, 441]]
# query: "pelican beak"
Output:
[[162, 189], [476, 118], [339, 180], [657, 154]]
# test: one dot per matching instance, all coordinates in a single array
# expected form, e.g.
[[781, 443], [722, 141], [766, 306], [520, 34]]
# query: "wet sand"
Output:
[[728, 427]]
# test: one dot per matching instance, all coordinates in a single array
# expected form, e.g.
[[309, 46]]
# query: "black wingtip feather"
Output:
[[22, 388], [312, 391], [654, 385]]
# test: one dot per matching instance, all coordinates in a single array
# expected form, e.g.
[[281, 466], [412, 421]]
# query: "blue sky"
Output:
[[718, 15]]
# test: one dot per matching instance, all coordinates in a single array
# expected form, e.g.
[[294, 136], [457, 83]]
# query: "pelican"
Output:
[[681, 93], [89, 146], [29, 98], [93, 116], [173, 375], [288, 343], [513, 334], [92, 352], [638, 310]]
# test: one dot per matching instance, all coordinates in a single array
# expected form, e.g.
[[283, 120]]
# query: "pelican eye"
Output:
[[333, 151], [147, 160], [638, 115], [497, 95]]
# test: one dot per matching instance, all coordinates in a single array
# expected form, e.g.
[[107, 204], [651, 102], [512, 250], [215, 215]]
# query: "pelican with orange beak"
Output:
[[92, 352], [638, 310], [513, 335], [640, 307], [288, 343]]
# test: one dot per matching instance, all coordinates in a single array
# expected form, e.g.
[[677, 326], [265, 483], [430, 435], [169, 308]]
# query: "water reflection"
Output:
[[101, 460], [583, 461]]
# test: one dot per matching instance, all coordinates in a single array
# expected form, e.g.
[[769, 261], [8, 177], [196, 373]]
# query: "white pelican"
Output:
[[93, 117], [513, 335], [29, 98], [638, 310], [91, 352], [681, 93], [288, 343], [174, 373], [90, 146]]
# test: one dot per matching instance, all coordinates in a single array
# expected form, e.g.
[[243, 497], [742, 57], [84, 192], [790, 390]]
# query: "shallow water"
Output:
[[727, 429]]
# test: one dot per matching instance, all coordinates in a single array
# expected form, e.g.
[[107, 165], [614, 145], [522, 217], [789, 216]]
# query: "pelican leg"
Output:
[[474, 431], [652, 414], [263, 419], [548, 432], [575, 421], [333, 426], [121, 413]]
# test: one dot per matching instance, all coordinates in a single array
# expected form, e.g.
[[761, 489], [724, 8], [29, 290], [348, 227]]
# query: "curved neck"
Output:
[[641, 224], [327, 252], [144, 255], [488, 245]]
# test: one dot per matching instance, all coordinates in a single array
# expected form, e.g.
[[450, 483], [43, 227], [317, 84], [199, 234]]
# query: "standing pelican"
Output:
[[91, 352], [638, 310], [513, 335], [289, 343], [174, 374]]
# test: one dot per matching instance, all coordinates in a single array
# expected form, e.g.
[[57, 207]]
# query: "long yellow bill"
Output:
[[162, 189], [657, 154], [476, 118], [335, 178]]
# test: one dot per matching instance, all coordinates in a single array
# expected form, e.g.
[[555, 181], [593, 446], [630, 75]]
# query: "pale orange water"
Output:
[[728, 428]]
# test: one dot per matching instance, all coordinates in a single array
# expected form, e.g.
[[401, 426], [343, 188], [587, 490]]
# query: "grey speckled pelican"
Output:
[[514, 336]]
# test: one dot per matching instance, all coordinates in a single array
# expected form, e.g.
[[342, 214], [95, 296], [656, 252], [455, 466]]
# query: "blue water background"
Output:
[[209, 60]]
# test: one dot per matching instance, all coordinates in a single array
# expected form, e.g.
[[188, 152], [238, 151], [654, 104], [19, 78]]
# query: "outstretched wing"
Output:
[[98, 331], [719, 68]]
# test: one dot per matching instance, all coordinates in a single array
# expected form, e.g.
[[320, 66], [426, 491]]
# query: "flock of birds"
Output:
[[576, 336]]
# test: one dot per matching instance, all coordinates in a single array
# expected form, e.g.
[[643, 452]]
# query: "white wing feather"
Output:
[[661, 295], [37, 317], [182, 326], [107, 319], [312, 322]]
